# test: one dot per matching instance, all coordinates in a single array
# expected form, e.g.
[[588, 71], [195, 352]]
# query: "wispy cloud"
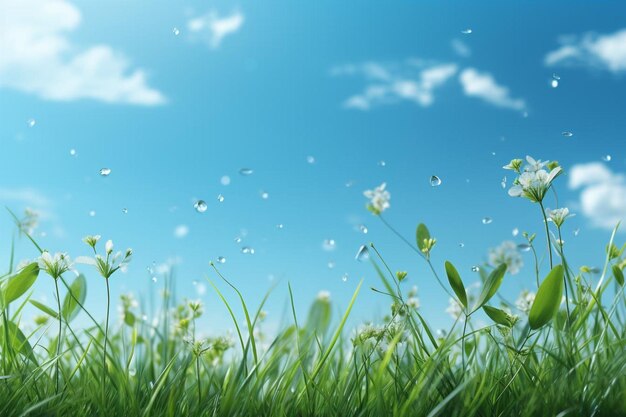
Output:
[[591, 50], [213, 28], [27, 196], [38, 57], [413, 81], [603, 193], [482, 85], [461, 48]]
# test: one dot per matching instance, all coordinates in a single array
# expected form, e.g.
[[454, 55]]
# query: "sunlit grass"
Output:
[[560, 356]]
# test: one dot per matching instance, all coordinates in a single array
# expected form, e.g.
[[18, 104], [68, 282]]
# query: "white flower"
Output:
[[534, 184], [109, 265], [413, 302], [323, 296], [534, 165], [379, 199], [454, 308], [525, 301], [108, 247], [91, 240], [56, 265], [558, 216], [507, 253], [514, 165]]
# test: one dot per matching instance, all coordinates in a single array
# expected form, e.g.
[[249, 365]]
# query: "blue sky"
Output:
[[266, 85]]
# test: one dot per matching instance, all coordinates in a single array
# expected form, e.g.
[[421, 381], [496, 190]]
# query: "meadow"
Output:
[[560, 351]]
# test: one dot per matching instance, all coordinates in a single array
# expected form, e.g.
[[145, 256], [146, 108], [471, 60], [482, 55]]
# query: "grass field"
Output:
[[564, 355]]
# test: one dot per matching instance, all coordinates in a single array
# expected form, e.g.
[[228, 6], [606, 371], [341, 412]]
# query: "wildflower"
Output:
[[323, 296], [507, 253], [379, 199], [92, 241], [106, 266], [534, 182], [454, 308], [401, 275], [525, 301], [29, 222], [558, 216], [514, 165], [413, 302], [56, 265], [196, 307]]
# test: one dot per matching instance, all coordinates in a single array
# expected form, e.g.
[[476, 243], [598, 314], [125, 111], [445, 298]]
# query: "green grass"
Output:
[[567, 359]]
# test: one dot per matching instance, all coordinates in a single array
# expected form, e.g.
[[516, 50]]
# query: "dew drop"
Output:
[[344, 277], [132, 371], [220, 198], [105, 172], [362, 254], [382, 163], [247, 250], [515, 232], [576, 232], [176, 31], [221, 259], [555, 76], [246, 171], [200, 206], [72, 152], [363, 228], [125, 210], [467, 31], [567, 134], [461, 245], [487, 220], [225, 180], [154, 279], [310, 159], [524, 247], [607, 158], [265, 195], [280, 226], [503, 182], [329, 244], [238, 239], [435, 181], [554, 83], [92, 213], [31, 122], [475, 268], [349, 183], [330, 264]]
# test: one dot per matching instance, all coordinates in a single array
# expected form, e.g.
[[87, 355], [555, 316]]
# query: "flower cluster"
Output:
[[525, 301], [56, 265], [534, 180], [108, 264], [379, 199], [507, 253], [558, 216]]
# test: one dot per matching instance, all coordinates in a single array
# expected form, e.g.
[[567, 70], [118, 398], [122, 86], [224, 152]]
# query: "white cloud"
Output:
[[484, 86], [603, 193], [181, 231], [592, 50], [414, 81], [214, 28], [27, 196], [38, 57]]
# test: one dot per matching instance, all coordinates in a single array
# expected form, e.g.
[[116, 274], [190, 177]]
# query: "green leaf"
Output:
[[44, 308], [19, 283], [77, 291], [17, 340], [618, 274], [498, 316], [456, 283], [422, 235], [493, 282], [319, 317], [548, 299]]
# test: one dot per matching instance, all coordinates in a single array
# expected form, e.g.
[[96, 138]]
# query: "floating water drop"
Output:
[[176, 31], [221, 259], [362, 254], [461, 245], [503, 182], [225, 180], [31, 122], [144, 317], [280, 226], [132, 371], [349, 183], [555, 76], [467, 31], [487, 220], [265, 195], [607, 158], [238, 239], [567, 134], [554, 83], [247, 250], [200, 206], [382, 163], [310, 159], [475, 268], [105, 172], [220, 198], [363, 228], [329, 244], [72, 152], [515, 232], [125, 210], [524, 247], [154, 279], [330, 264], [344, 277], [92, 213], [246, 171], [576, 232], [435, 181]]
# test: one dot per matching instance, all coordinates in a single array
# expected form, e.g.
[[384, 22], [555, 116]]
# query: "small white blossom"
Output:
[[454, 308], [507, 253], [56, 265], [108, 247], [323, 296], [525, 301], [558, 216], [379, 199], [534, 182]]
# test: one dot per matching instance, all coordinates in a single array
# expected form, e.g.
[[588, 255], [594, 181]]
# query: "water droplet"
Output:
[[329, 244], [220, 198], [467, 31], [154, 279], [92, 213], [515, 232], [200, 206], [607, 158], [238, 239], [554, 83], [132, 371], [280, 226], [461, 245], [31, 122], [265, 195], [105, 172], [555, 76], [503, 182], [435, 181], [225, 180], [349, 183], [72, 152], [125, 210], [344, 277], [475, 268], [382, 163], [151, 384], [176, 31], [487, 220], [144, 317], [246, 171], [331, 264], [524, 247], [362, 254], [247, 250], [363, 228], [493, 153], [221, 259], [310, 159], [567, 134]]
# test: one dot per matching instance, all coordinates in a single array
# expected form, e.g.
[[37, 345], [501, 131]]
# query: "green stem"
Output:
[[106, 335], [56, 285], [198, 378], [545, 221], [463, 345]]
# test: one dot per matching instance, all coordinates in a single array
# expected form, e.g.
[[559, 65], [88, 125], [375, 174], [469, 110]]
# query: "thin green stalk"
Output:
[[106, 335], [545, 222], [198, 378], [56, 286]]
